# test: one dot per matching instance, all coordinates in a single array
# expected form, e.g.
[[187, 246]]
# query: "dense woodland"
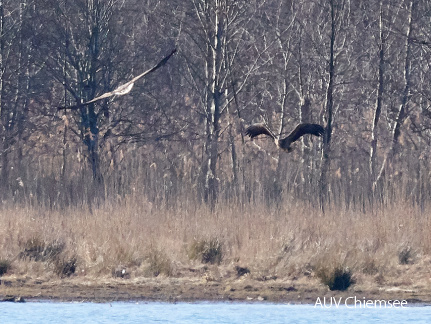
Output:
[[360, 68]]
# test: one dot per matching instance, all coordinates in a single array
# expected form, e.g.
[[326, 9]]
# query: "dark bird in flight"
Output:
[[284, 143], [124, 88]]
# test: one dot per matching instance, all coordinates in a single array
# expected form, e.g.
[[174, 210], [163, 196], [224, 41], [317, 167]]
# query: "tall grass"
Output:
[[146, 218], [286, 241]]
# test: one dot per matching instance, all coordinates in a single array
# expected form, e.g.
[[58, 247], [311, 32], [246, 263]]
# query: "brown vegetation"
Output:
[[298, 244], [161, 181]]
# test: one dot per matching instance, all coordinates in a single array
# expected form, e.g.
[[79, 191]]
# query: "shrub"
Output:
[[207, 251], [159, 263], [405, 256], [65, 267], [370, 267], [5, 266], [337, 279], [241, 271], [37, 249], [33, 249]]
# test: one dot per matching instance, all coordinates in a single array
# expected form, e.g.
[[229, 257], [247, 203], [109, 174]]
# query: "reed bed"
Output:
[[284, 242]]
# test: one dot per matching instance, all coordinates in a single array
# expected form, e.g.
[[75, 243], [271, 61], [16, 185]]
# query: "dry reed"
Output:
[[287, 241]]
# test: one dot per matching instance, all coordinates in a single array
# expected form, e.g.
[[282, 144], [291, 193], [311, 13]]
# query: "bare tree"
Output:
[[339, 11], [16, 71], [401, 114], [379, 97], [93, 60], [218, 40]]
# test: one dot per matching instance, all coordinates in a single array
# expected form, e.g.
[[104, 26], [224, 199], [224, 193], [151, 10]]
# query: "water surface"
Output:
[[202, 312]]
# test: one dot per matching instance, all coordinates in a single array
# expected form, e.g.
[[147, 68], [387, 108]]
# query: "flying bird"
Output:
[[284, 143], [124, 88]]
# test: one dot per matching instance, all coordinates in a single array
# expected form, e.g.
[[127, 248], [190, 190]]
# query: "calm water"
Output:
[[205, 312]]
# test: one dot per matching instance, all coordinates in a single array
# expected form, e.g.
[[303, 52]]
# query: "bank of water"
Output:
[[203, 312]]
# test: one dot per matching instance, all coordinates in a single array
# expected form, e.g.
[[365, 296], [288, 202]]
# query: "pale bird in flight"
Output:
[[124, 88]]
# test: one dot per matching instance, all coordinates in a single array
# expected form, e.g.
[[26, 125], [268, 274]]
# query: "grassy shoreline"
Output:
[[282, 252], [194, 290]]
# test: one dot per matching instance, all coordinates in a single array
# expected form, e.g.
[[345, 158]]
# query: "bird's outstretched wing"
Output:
[[160, 64], [302, 129], [258, 129], [124, 88]]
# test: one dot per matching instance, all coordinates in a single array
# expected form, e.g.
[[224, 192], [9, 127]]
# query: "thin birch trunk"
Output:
[[402, 111], [326, 153], [213, 108], [379, 99]]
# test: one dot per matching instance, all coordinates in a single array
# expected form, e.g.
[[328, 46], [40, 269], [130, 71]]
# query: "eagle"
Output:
[[124, 88], [284, 143]]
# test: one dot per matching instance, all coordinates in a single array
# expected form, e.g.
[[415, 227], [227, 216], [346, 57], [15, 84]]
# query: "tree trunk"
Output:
[[326, 153], [380, 89], [213, 109], [402, 111], [402, 114], [4, 175]]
